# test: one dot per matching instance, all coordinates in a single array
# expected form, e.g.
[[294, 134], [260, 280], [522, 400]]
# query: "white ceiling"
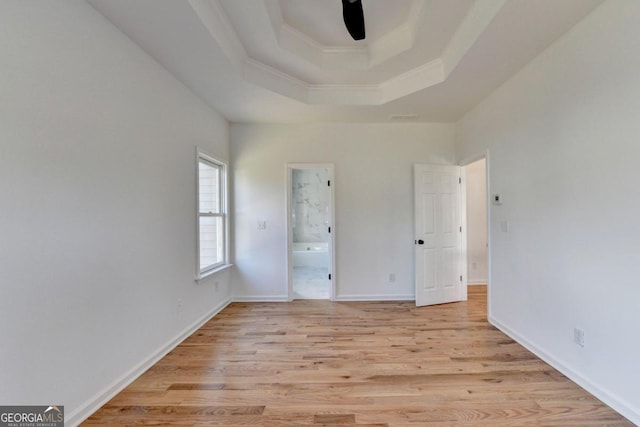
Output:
[[293, 61], [322, 20]]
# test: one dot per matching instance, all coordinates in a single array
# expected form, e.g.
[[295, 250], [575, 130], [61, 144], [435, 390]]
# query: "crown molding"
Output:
[[309, 49], [261, 74], [416, 79], [305, 47], [401, 39], [212, 15], [302, 45]]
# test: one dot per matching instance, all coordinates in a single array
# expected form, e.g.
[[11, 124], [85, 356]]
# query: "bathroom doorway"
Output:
[[310, 231]]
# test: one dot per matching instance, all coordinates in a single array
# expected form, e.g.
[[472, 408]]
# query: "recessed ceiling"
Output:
[[322, 20], [293, 60]]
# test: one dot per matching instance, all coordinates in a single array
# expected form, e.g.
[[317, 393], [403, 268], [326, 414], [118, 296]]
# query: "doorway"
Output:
[[310, 230], [477, 227]]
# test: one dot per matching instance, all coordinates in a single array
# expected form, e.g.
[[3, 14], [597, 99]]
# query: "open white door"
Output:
[[438, 234]]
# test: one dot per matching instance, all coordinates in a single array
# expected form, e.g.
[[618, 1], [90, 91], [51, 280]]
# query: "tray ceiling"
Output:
[[431, 59]]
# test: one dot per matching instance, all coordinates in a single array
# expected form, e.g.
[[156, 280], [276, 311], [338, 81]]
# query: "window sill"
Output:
[[212, 272]]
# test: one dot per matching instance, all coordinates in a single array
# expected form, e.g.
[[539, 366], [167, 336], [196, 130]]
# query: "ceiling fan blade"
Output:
[[353, 18]]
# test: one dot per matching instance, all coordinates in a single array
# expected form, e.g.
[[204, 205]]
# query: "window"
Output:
[[212, 217]]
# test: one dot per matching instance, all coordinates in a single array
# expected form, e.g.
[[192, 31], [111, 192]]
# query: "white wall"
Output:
[[564, 152], [97, 206], [374, 201], [476, 222]]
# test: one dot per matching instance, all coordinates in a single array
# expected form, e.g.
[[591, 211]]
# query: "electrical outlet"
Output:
[[578, 336], [179, 304], [262, 225], [392, 277]]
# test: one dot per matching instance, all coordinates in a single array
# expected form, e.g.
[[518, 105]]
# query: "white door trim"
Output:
[[332, 236], [487, 158], [463, 224]]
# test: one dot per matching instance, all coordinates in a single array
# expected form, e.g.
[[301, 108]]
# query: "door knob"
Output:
[[421, 242]]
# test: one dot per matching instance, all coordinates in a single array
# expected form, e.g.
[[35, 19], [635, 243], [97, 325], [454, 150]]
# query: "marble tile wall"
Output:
[[310, 209]]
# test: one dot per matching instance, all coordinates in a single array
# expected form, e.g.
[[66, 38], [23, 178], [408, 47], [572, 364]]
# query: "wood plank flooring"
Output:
[[354, 364]]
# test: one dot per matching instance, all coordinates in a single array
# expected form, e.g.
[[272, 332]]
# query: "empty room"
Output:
[[383, 213]]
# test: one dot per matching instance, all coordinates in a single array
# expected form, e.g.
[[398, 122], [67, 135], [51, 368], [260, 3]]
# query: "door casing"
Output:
[[332, 235], [486, 155]]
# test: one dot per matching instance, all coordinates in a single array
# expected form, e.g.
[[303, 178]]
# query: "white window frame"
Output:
[[202, 157]]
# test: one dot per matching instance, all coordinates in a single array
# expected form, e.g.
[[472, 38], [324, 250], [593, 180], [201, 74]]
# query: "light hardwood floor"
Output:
[[354, 364]]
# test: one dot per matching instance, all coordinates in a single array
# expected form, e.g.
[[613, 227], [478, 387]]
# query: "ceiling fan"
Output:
[[353, 18]]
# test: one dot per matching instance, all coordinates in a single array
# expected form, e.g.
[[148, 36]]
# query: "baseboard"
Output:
[[284, 298], [345, 298], [95, 403], [477, 282], [615, 402], [257, 298]]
